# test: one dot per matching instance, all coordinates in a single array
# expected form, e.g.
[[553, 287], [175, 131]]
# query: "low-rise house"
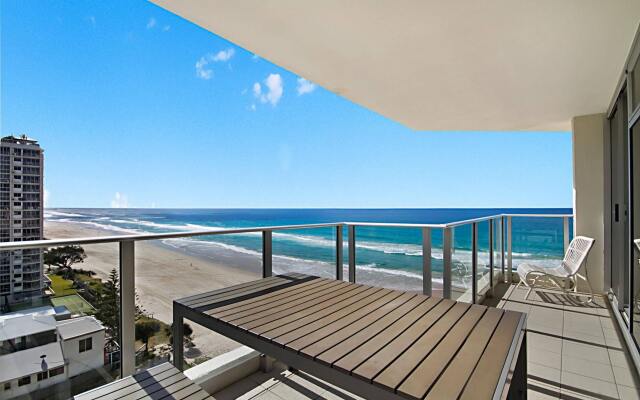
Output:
[[37, 351]]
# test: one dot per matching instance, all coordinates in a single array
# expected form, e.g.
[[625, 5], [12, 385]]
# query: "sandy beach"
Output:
[[171, 270], [163, 275]]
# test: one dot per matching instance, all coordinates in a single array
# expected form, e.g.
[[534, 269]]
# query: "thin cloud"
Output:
[[223, 55], [119, 201], [257, 90], [274, 89], [304, 86], [166, 28], [47, 198], [152, 22], [92, 20], [203, 71]]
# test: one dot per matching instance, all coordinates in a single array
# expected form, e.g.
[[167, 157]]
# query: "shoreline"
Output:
[[201, 267]]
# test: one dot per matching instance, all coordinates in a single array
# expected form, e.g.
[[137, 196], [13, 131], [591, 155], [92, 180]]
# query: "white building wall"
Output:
[[33, 386], [588, 187], [78, 363]]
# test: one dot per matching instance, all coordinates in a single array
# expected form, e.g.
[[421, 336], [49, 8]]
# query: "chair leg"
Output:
[[590, 297], [524, 281]]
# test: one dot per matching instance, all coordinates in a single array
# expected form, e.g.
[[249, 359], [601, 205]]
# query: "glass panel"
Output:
[[64, 289], [497, 250], [389, 257], [308, 251], [461, 268], [172, 269], [635, 227], [539, 241], [483, 266]]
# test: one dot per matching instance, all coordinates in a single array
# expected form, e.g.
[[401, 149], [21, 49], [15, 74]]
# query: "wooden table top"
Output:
[[409, 344]]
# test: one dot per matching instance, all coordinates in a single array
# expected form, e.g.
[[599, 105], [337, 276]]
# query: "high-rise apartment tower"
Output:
[[21, 218]]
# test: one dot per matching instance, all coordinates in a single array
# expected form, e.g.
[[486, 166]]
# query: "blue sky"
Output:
[[137, 107]]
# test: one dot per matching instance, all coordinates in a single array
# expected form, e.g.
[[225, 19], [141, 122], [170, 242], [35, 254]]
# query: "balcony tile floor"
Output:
[[574, 352]]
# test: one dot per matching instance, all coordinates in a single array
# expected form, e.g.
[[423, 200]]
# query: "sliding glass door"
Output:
[[635, 229], [619, 215]]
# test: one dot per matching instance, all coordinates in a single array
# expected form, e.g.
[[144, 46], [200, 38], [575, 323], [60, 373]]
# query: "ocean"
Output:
[[382, 252]]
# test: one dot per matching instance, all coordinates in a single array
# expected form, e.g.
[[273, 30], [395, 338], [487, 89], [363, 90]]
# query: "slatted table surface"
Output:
[[162, 382], [378, 342]]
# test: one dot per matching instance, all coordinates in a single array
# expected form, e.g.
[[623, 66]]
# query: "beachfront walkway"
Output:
[[574, 352]]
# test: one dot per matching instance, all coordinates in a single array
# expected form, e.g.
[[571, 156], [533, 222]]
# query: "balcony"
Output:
[[468, 261]]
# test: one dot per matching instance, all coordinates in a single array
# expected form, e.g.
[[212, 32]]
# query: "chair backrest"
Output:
[[577, 253]]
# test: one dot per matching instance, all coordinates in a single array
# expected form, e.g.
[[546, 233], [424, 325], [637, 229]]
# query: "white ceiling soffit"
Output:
[[441, 65]]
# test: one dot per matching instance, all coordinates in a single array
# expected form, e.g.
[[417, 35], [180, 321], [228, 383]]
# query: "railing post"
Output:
[[426, 261], [267, 254], [127, 308], [446, 262], [509, 252], [565, 233], [502, 244], [352, 253], [339, 244], [474, 263], [491, 221]]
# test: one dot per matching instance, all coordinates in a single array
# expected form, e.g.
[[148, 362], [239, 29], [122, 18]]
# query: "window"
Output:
[[56, 371], [43, 375], [24, 381], [85, 345], [7, 385]]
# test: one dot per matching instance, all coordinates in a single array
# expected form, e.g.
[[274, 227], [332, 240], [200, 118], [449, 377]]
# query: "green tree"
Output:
[[108, 304], [145, 329], [64, 257]]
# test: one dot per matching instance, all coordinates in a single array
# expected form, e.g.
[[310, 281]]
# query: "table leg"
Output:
[[178, 338], [518, 387]]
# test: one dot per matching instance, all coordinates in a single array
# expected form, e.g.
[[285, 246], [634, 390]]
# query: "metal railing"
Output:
[[127, 258]]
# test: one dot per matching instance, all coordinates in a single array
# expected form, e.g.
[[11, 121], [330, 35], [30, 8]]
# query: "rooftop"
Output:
[[22, 139], [30, 361], [75, 327], [25, 325]]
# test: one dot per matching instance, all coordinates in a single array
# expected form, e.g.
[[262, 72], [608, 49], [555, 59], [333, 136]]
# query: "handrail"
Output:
[[394, 225], [35, 244], [454, 223]]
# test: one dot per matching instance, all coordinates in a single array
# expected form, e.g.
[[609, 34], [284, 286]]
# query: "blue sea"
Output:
[[387, 253]]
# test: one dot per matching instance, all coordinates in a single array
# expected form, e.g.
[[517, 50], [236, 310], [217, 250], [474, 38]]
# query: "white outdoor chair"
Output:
[[564, 276]]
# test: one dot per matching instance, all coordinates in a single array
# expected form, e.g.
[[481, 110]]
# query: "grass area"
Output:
[[74, 303], [94, 283], [61, 286]]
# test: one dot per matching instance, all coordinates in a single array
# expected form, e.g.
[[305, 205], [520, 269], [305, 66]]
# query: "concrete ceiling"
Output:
[[441, 65]]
